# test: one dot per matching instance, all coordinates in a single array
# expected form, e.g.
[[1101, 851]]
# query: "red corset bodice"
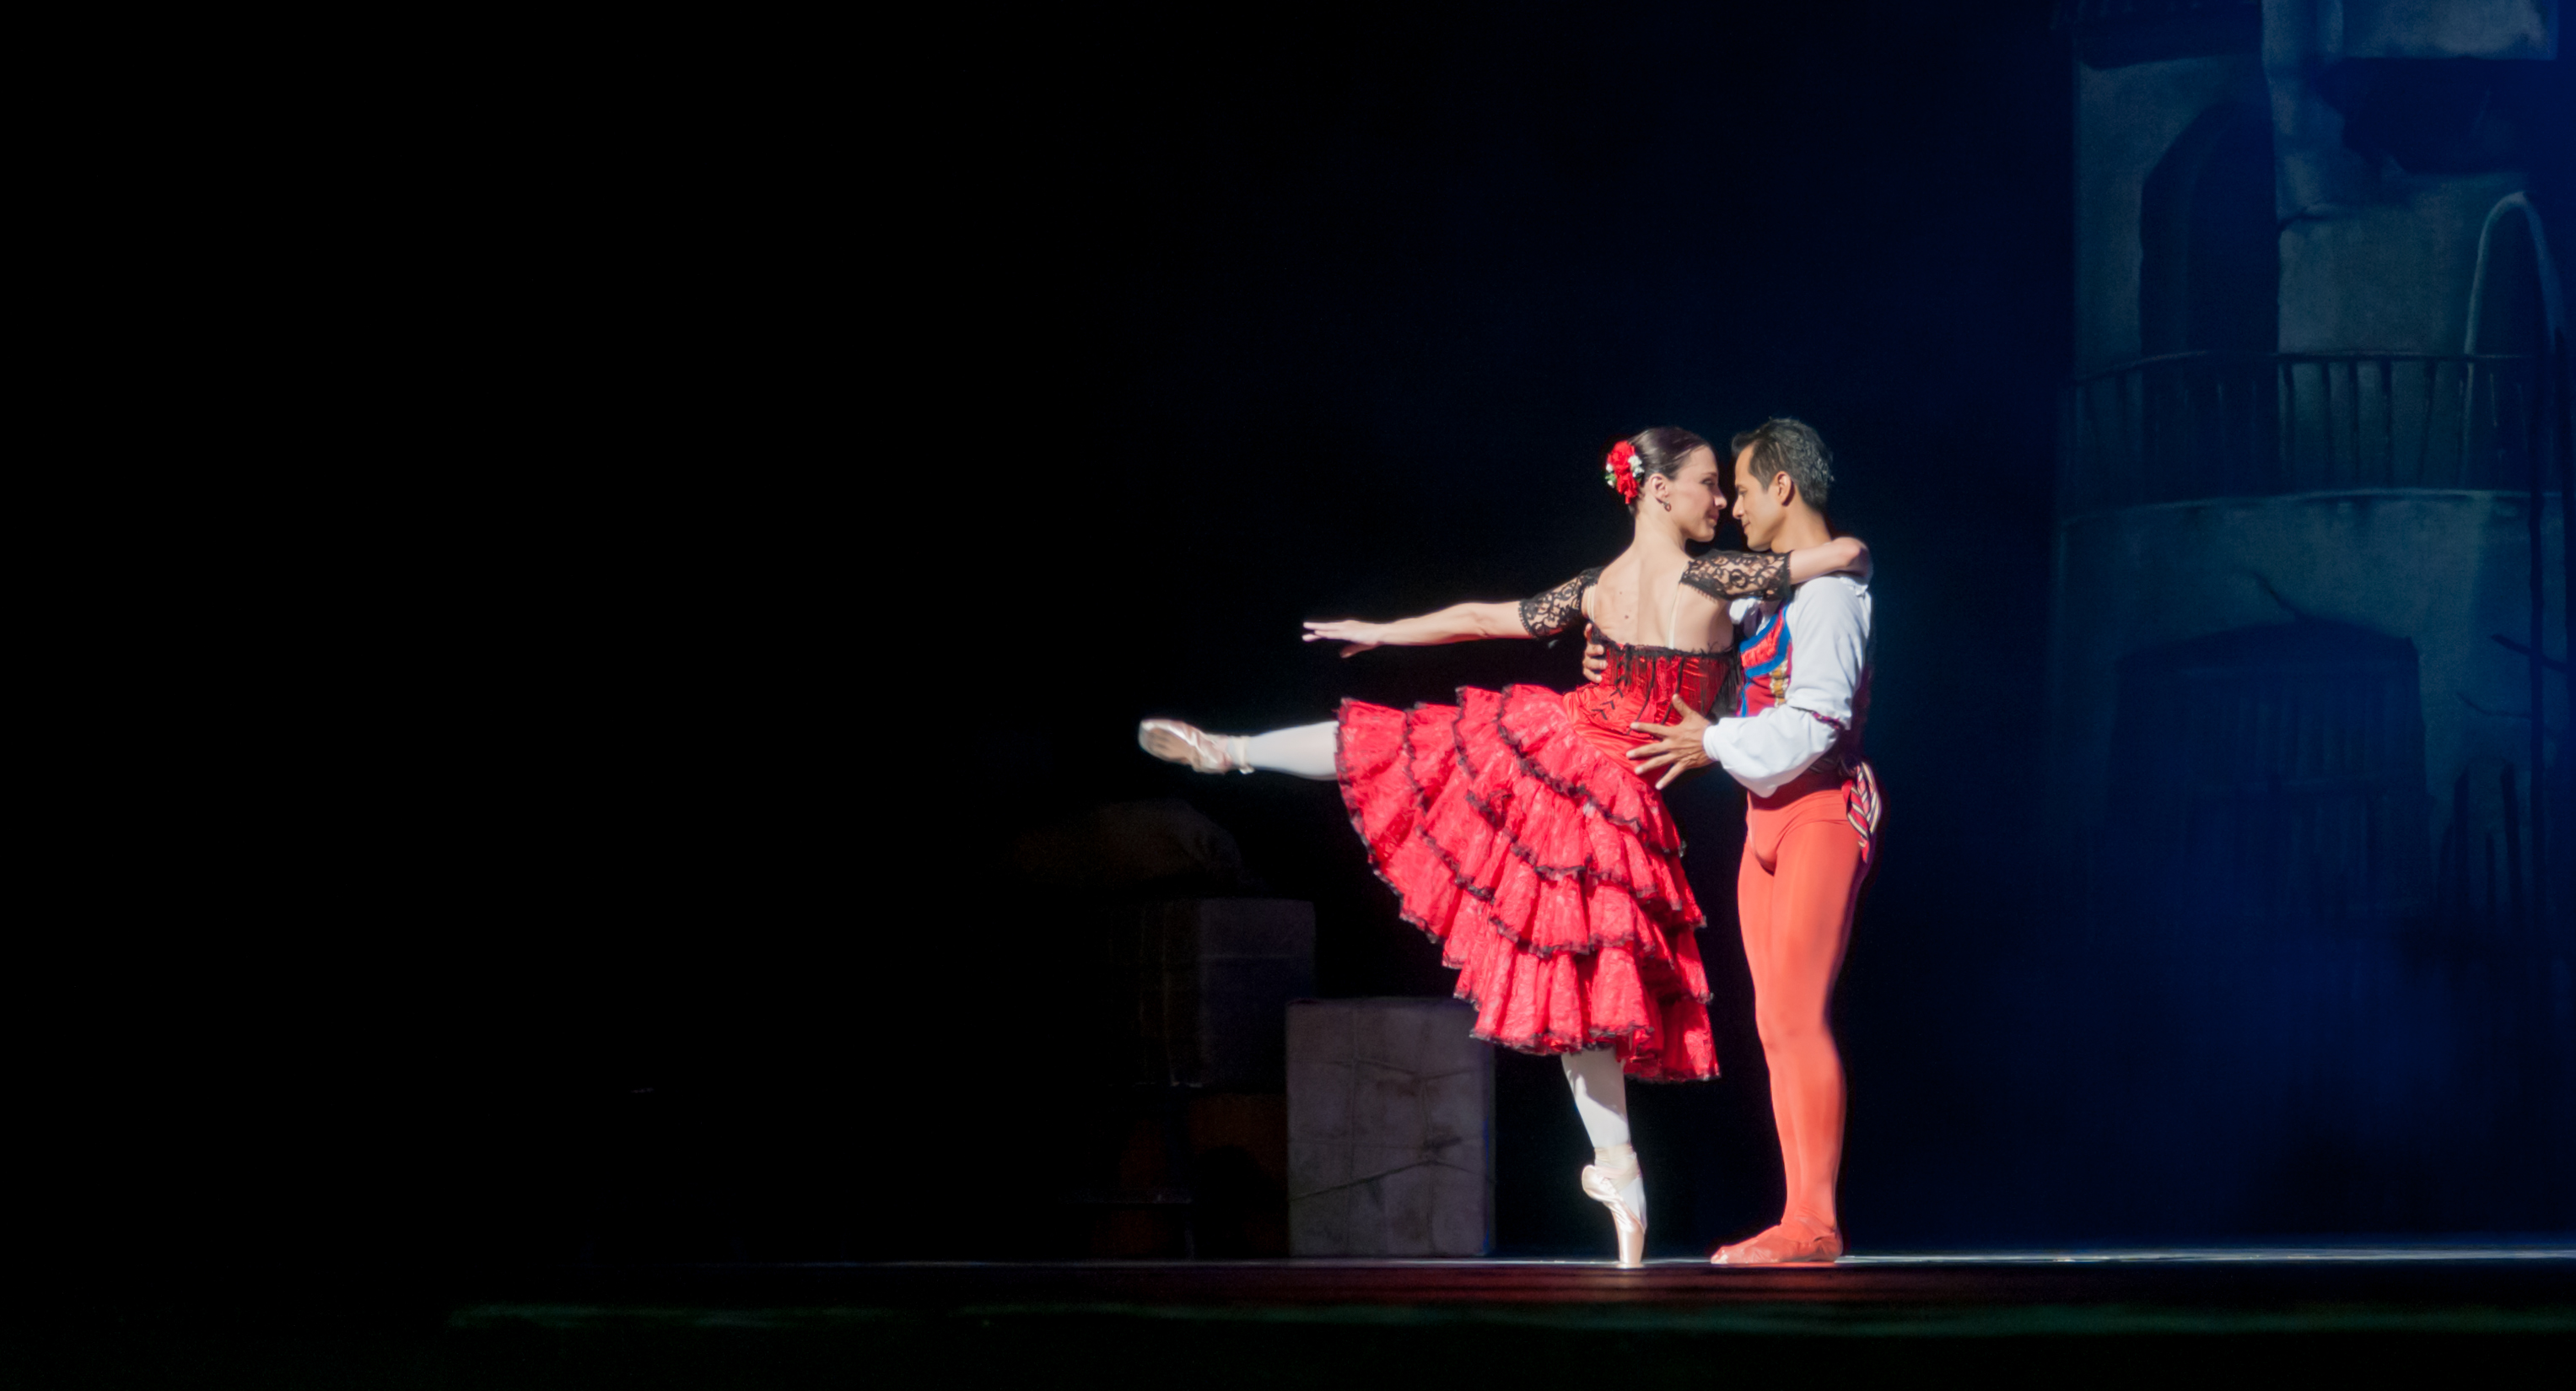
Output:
[[1640, 685]]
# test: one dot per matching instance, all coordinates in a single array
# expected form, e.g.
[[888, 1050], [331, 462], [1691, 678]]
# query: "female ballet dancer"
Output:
[[1513, 829]]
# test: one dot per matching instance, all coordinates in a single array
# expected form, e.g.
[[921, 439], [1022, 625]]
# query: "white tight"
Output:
[[1305, 751], [1601, 1099], [1600, 1095]]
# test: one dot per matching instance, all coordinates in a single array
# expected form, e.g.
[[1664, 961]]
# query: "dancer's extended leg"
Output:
[[1797, 923], [1613, 1179], [1305, 751]]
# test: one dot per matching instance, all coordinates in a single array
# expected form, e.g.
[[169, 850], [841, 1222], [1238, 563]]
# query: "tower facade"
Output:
[[2308, 695], [2317, 285]]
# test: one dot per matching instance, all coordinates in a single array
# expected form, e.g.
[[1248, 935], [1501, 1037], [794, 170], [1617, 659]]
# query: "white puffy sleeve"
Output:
[[1828, 624]]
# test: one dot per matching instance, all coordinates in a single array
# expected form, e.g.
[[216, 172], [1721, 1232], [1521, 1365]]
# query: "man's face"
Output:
[[1757, 509]]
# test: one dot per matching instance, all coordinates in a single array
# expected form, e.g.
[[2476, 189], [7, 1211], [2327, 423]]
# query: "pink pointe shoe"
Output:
[[1602, 1189], [1175, 742]]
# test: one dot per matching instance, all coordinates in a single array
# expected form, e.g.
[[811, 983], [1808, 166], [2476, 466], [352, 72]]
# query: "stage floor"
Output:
[[2484, 1288], [2107, 1316]]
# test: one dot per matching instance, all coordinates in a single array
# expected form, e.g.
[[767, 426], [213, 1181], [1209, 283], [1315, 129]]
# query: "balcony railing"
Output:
[[2210, 425]]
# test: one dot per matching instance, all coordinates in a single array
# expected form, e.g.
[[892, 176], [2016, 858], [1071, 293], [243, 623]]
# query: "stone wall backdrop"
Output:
[[2308, 694]]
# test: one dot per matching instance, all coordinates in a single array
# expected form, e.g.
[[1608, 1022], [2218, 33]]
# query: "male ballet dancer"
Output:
[[1811, 821]]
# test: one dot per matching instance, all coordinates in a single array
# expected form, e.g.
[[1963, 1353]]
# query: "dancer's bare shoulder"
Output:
[[1613, 600], [1622, 569], [1705, 622]]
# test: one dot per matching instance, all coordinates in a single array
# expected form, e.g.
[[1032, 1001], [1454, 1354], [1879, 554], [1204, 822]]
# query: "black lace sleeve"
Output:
[[1724, 575], [1546, 615]]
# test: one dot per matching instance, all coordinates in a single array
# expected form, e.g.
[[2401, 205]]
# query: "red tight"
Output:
[[1803, 864]]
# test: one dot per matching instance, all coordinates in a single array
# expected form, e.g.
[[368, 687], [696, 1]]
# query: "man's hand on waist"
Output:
[[1679, 747]]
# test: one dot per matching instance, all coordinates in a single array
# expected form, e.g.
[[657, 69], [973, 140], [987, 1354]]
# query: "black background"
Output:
[[810, 464]]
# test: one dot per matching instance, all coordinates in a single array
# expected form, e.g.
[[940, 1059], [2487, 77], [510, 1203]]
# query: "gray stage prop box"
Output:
[[1390, 1129], [1213, 980]]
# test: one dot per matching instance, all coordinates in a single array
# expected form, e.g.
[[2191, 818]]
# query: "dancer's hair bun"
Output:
[[1656, 451]]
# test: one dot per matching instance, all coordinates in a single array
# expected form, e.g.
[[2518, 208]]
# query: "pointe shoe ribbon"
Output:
[[1602, 1189], [1175, 742]]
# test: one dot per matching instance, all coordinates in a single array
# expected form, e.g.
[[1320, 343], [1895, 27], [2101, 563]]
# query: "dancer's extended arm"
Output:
[[1456, 623], [1536, 617], [1724, 574]]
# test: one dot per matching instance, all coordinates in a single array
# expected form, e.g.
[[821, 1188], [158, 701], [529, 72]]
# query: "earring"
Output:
[[1659, 502]]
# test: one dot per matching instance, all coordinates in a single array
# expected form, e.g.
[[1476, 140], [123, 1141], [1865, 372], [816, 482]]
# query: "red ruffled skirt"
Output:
[[1549, 873]]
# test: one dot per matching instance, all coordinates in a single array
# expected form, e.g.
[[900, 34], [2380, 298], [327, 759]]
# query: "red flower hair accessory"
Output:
[[1624, 471]]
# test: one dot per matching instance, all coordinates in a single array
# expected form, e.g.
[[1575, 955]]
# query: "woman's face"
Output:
[[1698, 504]]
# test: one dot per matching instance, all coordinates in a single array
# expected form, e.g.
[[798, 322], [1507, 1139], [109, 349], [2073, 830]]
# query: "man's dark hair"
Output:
[[1792, 447]]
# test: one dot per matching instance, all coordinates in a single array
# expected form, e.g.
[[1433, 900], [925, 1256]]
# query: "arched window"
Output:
[[2513, 297], [2210, 270]]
